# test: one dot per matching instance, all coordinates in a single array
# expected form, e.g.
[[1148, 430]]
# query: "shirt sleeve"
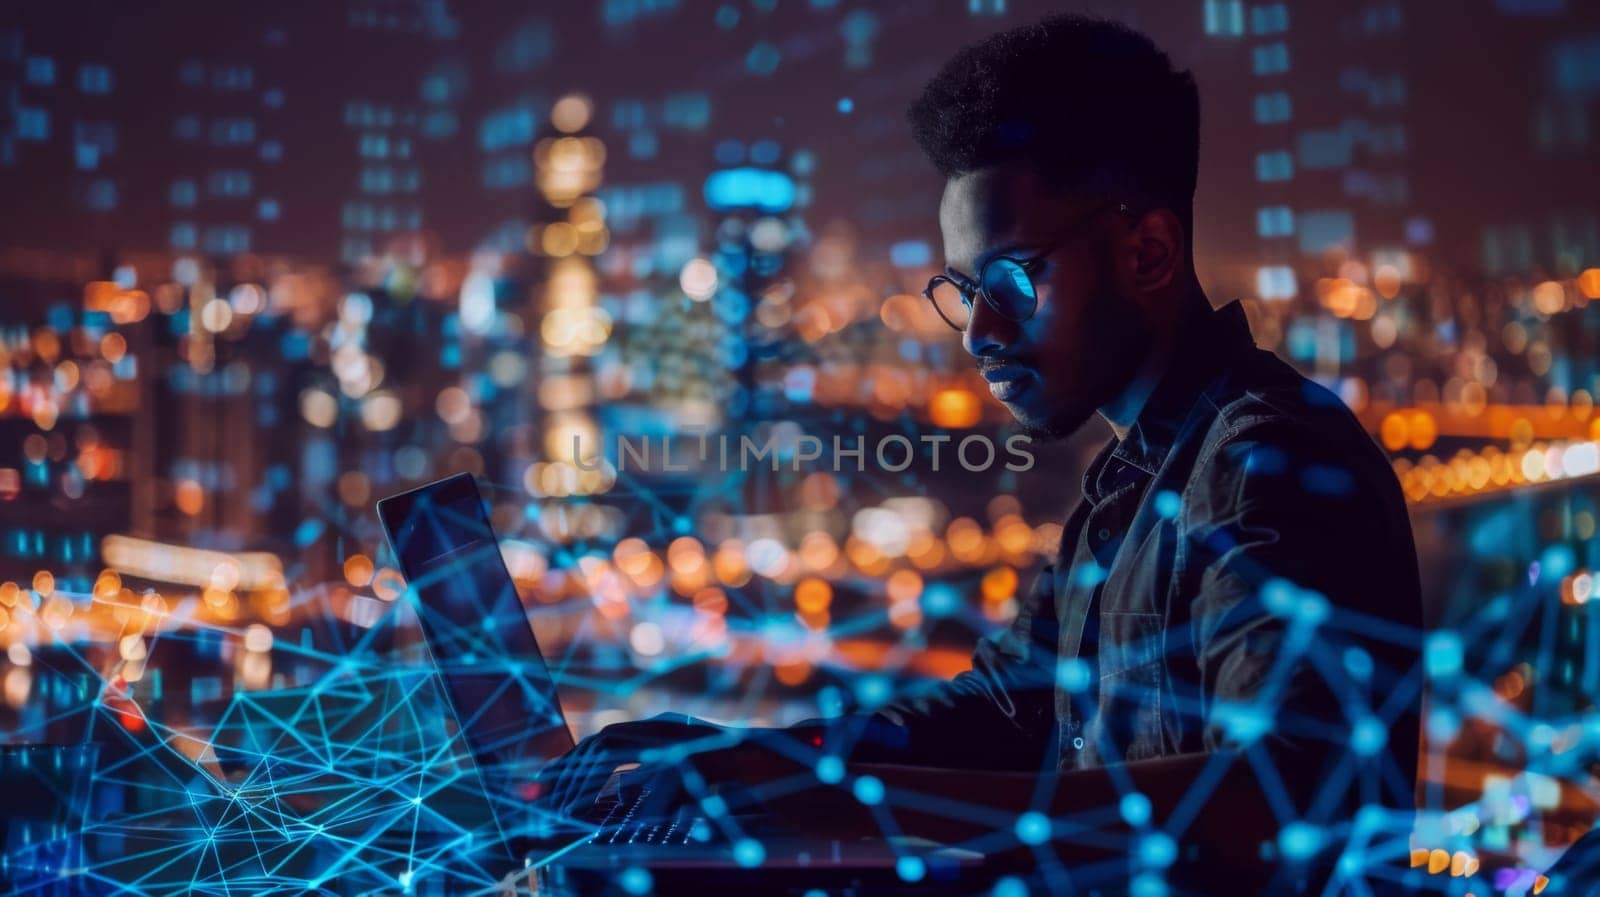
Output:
[[1304, 604], [998, 715]]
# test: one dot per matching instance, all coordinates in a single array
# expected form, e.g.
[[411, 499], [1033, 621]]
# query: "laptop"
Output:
[[504, 701]]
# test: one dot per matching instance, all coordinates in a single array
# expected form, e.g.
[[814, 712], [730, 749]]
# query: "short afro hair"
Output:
[[1091, 104]]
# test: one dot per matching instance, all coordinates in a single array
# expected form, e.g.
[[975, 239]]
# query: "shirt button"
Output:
[[1104, 534], [1077, 744]]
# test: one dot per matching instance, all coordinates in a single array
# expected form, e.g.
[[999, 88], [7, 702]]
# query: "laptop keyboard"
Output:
[[618, 825]]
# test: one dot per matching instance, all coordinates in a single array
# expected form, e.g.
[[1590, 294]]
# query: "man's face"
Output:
[[1085, 342]]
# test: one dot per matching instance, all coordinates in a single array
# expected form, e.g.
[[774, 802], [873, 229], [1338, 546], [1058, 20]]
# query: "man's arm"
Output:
[[1300, 592], [1305, 611], [998, 715]]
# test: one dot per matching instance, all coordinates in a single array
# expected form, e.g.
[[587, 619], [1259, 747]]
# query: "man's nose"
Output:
[[987, 332]]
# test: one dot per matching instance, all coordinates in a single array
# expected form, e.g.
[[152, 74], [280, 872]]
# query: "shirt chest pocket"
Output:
[[1131, 674]]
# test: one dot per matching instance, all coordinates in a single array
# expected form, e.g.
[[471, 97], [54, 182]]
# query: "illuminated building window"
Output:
[[1324, 229], [1530, 7], [911, 254], [232, 183], [525, 48], [1274, 221], [192, 73], [1224, 18], [186, 128], [1325, 148], [232, 77], [94, 78], [183, 235], [41, 71], [1272, 108], [623, 12], [33, 124], [439, 124], [507, 173], [101, 195], [643, 145], [508, 127], [1274, 166], [183, 194], [1270, 18], [688, 111], [986, 7], [88, 156], [227, 239], [1382, 18], [232, 131], [628, 114], [1276, 282], [1270, 59], [267, 210], [763, 58]]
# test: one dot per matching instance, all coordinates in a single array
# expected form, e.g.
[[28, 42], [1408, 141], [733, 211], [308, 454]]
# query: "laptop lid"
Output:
[[495, 678]]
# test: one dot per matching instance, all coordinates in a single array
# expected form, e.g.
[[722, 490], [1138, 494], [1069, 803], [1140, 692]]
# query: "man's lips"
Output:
[[1007, 380]]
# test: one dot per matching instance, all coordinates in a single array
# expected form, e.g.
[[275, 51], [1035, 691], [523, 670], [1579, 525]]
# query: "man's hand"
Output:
[[570, 784]]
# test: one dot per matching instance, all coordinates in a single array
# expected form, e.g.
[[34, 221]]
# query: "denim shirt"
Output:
[[1240, 567]]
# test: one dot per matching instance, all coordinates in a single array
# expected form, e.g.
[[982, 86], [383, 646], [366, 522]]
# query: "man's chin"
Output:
[[1049, 427]]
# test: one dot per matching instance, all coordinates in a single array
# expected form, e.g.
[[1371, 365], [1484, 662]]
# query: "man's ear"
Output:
[[1159, 240]]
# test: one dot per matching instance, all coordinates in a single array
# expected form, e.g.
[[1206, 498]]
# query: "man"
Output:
[[1225, 652]]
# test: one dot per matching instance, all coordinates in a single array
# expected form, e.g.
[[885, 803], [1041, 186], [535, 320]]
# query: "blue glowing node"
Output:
[[910, 868], [1278, 597], [1299, 840], [872, 690], [714, 805], [1352, 865], [868, 790], [1072, 674], [1311, 608], [1158, 849], [1443, 654], [1136, 808], [1358, 663], [940, 600], [1556, 562], [1167, 503], [1033, 827], [830, 770], [1367, 736], [1148, 884], [749, 852], [1244, 722], [846, 105], [1009, 887], [1443, 724], [635, 880]]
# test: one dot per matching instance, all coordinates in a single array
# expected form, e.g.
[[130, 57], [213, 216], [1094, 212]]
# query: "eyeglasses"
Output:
[[1005, 282]]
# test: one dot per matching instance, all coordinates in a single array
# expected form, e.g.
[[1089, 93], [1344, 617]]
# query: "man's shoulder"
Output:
[[1271, 425]]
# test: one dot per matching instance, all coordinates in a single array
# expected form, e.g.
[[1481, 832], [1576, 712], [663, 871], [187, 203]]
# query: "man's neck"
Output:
[[1122, 411]]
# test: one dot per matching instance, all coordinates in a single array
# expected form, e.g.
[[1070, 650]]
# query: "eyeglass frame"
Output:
[[970, 287]]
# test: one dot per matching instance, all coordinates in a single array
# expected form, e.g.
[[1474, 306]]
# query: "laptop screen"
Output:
[[499, 688]]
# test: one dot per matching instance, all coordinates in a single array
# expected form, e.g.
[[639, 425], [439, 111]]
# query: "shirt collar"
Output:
[[1200, 354]]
